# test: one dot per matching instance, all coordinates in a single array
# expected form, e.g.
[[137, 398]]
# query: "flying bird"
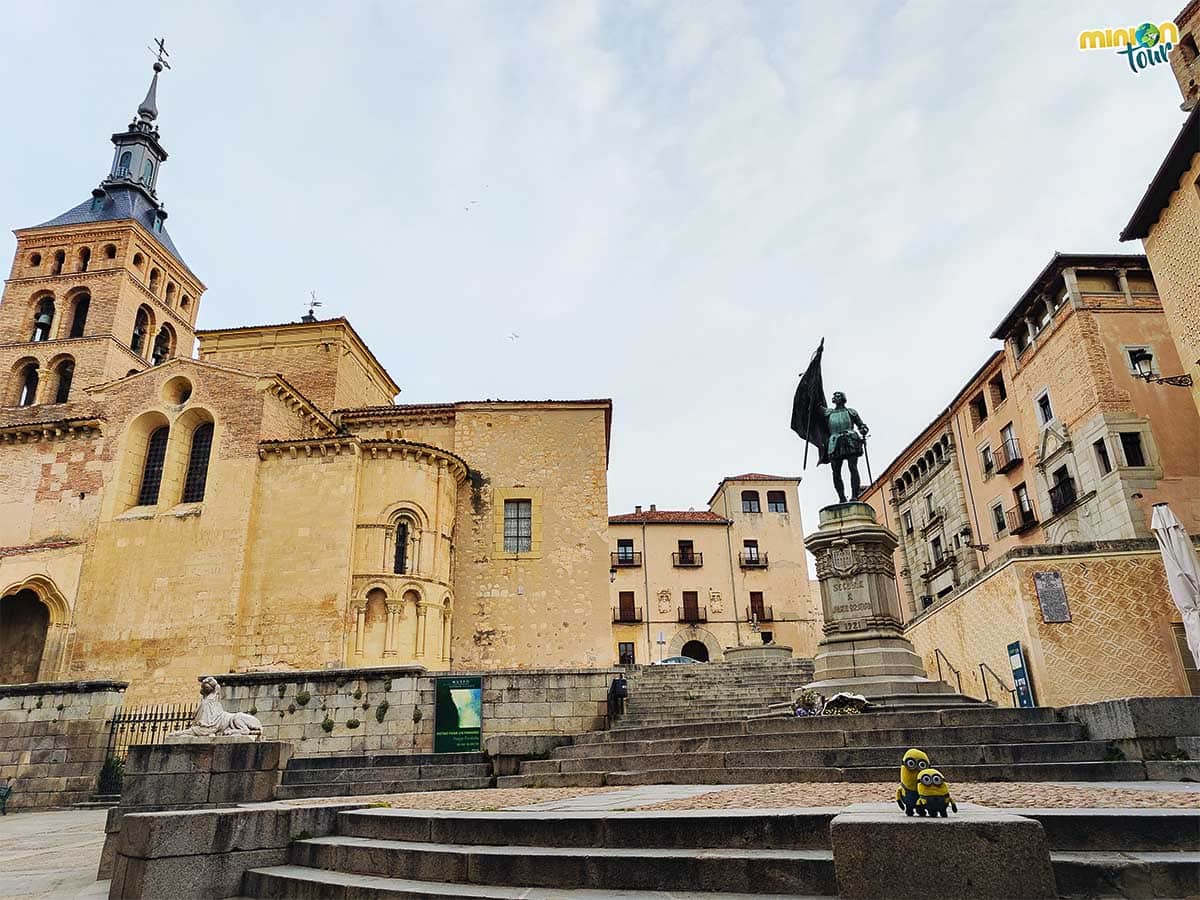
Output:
[[513, 336]]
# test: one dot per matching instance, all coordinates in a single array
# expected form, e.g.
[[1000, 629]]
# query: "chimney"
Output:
[[653, 508], [637, 509]]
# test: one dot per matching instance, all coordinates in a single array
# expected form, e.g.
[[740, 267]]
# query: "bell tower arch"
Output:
[[78, 282]]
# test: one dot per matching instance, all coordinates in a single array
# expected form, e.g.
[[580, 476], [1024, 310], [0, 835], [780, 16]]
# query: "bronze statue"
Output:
[[830, 429], [844, 444]]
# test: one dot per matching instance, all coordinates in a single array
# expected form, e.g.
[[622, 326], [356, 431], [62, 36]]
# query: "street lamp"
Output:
[[1143, 363]]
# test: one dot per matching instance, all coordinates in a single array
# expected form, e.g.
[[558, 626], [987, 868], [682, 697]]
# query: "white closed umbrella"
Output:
[[1183, 571]]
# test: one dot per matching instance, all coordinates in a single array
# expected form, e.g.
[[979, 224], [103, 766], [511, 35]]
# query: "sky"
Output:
[[670, 203]]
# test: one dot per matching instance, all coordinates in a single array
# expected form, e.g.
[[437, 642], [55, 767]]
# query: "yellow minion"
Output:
[[934, 794], [914, 762]]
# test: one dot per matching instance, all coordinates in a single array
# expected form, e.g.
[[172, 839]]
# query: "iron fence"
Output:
[[138, 725]]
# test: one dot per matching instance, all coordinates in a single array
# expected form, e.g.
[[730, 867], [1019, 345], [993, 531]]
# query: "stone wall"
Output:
[[393, 707], [53, 737], [1118, 642]]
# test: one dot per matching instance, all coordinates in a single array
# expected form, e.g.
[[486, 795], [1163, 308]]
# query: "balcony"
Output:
[[1008, 455], [1020, 519], [1062, 495], [687, 561], [692, 614], [942, 562], [627, 615], [760, 613], [626, 560], [752, 560]]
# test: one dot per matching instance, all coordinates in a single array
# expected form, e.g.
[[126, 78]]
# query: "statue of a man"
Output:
[[844, 444]]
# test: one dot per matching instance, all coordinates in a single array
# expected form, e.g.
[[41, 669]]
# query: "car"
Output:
[[676, 661]]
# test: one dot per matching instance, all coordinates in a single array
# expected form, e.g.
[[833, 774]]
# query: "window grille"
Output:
[[197, 470], [518, 526], [156, 451]]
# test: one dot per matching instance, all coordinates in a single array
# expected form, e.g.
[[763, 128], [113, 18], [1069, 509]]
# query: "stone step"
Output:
[[800, 740], [357, 760], [737, 870], [1119, 829], [362, 788], [1076, 771], [385, 773], [301, 883], [801, 829], [866, 722], [853, 757], [1126, 874]]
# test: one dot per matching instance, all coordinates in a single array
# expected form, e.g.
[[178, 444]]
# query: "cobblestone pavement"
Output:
[[766, 796], [52, 855]]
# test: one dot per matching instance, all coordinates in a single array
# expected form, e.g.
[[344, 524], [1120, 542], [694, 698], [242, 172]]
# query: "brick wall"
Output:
[[1118, 643], [53, 737], [293, 706]]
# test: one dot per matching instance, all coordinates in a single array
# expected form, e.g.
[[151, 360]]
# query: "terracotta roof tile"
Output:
[[669, 517]]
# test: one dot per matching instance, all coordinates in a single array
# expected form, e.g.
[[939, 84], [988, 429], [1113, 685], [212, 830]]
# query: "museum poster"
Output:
[[1020, 674], [458, 715]]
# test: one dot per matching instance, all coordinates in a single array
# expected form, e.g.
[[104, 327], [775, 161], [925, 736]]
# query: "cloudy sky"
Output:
[[670, 202]]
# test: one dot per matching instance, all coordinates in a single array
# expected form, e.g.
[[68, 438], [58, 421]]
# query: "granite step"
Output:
[[385, 773], [301, 883], [792, 739], [737, 870], [357, 760], [1126, 874], [368, 787]]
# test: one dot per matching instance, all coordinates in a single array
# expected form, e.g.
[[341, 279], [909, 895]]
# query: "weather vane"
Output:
[[312, 305], [161, 52]]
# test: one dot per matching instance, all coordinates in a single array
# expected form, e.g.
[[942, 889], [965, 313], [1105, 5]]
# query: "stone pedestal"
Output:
[[864, 649]]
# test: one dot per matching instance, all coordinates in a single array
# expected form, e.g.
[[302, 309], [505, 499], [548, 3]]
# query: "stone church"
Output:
[[264, 504]]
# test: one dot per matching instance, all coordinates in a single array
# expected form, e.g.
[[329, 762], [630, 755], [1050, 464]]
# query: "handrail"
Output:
[[938, 657], [984, 668]]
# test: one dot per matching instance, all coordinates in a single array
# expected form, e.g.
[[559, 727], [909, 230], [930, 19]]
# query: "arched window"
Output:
[[185, 302], [171, 293], [196, 478], [750, 502], [79, 319], [28, 381], [35, 260], [148, 173], [110, 251], [59, 258], [141, 331], [43, 318], [65, 371], [152, 469], [124, 164], [85, 257], [164, 346], [154, 277], [400, 564], [138, 260]]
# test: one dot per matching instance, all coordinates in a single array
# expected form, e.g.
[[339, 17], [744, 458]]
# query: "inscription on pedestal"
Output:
[[848, 598]]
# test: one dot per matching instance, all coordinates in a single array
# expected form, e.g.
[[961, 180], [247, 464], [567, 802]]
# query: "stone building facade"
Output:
[[1055, 439], [705, 580], [264, 505]]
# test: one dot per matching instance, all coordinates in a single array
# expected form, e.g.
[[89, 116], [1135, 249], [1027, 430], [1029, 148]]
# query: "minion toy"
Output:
[[934, 794], [914, 762]]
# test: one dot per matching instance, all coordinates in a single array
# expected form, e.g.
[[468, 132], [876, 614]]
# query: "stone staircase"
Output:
[[410, 854], [660, 695], [363, 773], [976, 743]]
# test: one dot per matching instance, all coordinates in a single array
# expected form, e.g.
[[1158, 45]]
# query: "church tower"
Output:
[[99, 292]]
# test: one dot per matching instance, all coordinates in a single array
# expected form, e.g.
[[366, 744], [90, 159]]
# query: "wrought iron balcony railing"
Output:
[[1062, 495], [627, 614], [752, 560], [1008, 455], [625, 560], [693, 614], [1021, 519], [760, 613], [691, 560]]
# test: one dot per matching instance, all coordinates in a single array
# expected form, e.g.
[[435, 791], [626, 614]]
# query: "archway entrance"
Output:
[[24, 622], [695, 650]]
